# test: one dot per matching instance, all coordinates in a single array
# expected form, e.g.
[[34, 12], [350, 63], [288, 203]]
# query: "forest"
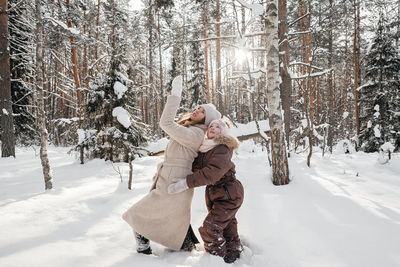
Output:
[[94, 75], [311, 89]]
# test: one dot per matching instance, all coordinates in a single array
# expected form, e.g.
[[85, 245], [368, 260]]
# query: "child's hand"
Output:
[[178, 185]]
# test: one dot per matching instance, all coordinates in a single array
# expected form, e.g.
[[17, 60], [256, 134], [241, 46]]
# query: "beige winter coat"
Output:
[[159, 216]]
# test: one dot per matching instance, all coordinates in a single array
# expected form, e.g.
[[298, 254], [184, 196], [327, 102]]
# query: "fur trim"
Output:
[[230, 141]]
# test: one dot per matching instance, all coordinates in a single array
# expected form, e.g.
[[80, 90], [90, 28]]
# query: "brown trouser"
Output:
[[219, 229]]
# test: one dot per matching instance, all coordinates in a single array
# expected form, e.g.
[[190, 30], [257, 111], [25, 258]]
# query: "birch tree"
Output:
[[40, 99], [7, 124], [280, 169]]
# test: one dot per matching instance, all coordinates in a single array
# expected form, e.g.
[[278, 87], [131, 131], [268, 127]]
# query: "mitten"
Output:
[[177, 86]]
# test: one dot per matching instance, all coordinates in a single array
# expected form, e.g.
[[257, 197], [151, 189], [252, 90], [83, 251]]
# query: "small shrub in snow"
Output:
[[385, 153], [344, 147]]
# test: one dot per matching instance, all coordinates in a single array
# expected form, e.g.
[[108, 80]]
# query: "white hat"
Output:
[[222, 125], [211, 113]]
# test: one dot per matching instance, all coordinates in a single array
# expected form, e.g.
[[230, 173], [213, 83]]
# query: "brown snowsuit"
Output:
[[224, 196]]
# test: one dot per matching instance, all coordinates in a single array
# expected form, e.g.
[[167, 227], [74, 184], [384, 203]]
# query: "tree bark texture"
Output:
[[331, 92], [280, 169], [356, 53], [218, 89], [284, 49], [208, 95], [40, 101], [6, 114]]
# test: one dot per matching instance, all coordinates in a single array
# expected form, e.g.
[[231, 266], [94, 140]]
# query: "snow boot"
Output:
[[142, 244], [190, 241], [231, 256]]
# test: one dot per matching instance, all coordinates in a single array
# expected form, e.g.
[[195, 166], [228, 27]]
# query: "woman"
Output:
[[224, 193], [161, 217]]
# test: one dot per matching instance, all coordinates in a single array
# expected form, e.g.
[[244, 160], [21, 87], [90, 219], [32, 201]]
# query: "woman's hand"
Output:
[[177, 86], [178, 185]]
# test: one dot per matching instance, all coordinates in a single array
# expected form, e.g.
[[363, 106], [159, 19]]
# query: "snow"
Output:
[[68, 121], [304, 123], [249, 128], [158, 146], [55, 22], [257, 9], [377, 131], [343, 211], [387, 147], [122, 116], [81, 135], [344, 146], [5, 112], [119, 89]]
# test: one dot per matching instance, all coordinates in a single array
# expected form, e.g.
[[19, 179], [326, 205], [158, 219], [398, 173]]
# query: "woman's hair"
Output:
[[186, 121]]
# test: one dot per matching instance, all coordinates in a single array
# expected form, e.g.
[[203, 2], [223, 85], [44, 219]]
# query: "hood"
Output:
[[230, 141]]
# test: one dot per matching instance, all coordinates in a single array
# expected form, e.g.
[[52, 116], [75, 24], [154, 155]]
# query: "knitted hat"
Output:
[[222, 125], [211, 113]]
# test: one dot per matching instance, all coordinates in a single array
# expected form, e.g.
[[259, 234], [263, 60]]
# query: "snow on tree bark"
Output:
[[280, 169], [40, 99]]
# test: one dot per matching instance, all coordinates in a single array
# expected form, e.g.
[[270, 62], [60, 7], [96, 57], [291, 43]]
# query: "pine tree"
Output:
[[380, 95], [110, 109], [197, 83], [111, 114]]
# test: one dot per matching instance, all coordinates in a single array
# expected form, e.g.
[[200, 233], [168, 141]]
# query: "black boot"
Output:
[[231, 256], [142, 244], [190, 241]]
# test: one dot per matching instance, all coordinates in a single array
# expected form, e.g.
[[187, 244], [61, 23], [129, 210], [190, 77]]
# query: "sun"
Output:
[[241, 55]]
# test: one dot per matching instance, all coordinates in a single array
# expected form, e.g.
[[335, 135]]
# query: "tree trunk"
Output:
[[330, 82], [150, 25], [280, 168], [85, 73], [7, 120], [208, 95], [130, 171], [286, 85], [356, 64], [40, 102], [303, 27], [218, 88], [96, 56], [398, 25], [74, 60], [212, 91], [308, 62], [161, 68], [114, 61]]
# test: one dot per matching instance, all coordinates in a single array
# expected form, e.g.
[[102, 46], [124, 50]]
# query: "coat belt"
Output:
[[176, 162]]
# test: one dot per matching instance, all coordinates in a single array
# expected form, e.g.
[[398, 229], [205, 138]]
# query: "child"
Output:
[[224, 193]]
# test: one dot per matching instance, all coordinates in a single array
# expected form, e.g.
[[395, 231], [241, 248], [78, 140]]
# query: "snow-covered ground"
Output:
[[343, 211]]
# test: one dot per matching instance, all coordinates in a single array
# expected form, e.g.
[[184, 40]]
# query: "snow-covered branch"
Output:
[[314, 74]]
